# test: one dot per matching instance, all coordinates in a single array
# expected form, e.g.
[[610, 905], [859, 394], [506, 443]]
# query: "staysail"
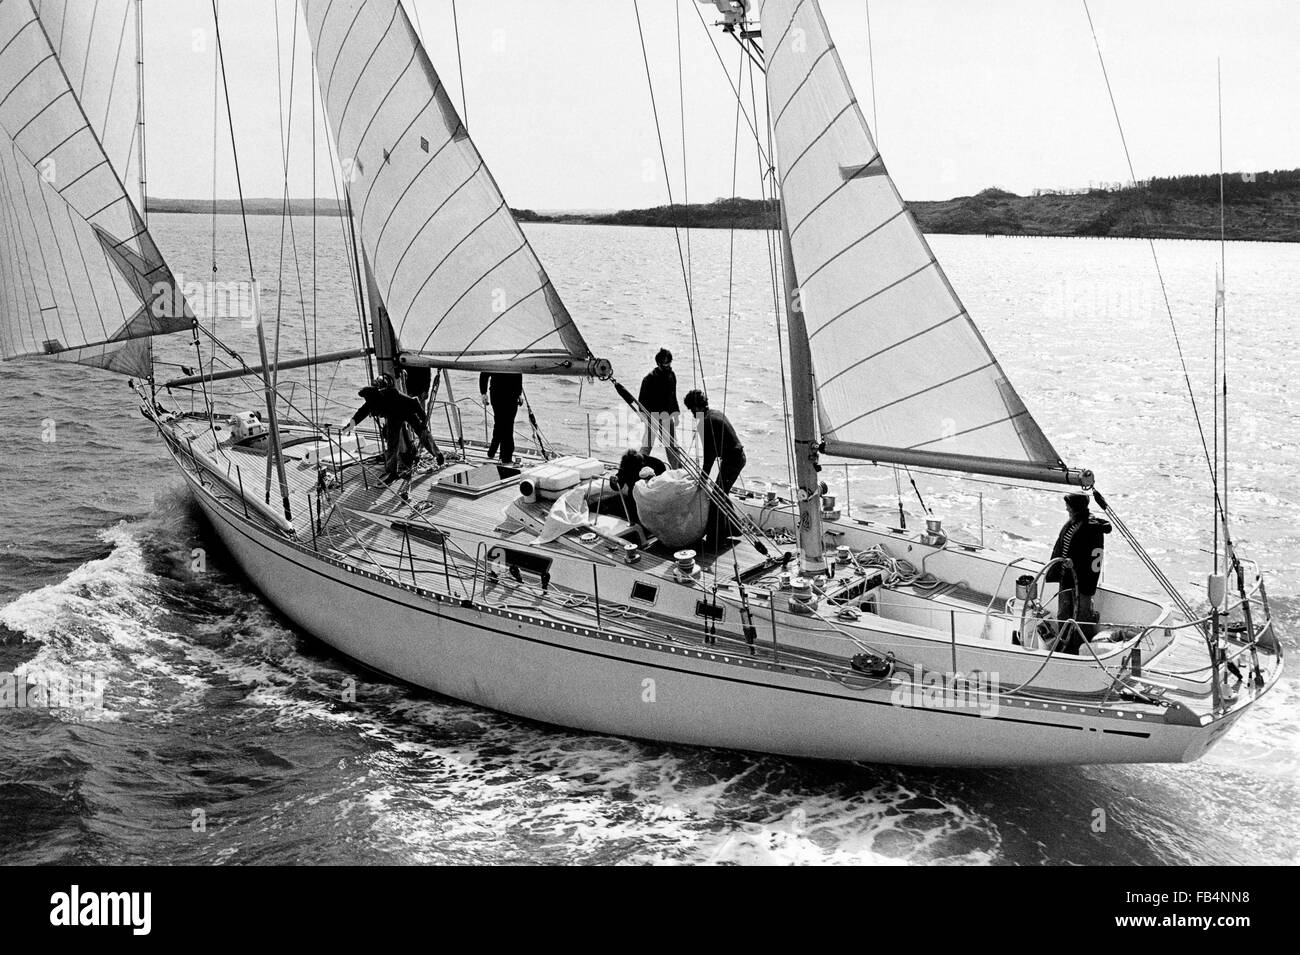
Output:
[[458, 279], [80, 277], [902, 373]]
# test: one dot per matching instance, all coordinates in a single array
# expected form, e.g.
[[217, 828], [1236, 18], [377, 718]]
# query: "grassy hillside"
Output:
[[1264, 206], [1261, 206]]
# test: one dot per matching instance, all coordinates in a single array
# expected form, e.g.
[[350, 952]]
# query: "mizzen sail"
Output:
[[902, 373], [460, 283], [80, 277]]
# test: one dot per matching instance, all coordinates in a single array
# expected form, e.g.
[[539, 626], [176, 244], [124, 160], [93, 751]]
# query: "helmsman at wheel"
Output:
[[1082, 543]]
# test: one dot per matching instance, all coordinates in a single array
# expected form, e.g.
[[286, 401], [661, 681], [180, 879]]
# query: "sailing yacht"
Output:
[[811, 633]]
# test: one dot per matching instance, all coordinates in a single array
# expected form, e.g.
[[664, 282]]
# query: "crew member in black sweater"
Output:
[[384, 402], [721, 444], [630, 468], [506, 394], [1082, 542], [659, 398]]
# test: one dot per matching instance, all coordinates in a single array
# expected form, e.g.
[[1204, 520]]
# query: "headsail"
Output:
[[80, 276], [461, 285], [899, 364]]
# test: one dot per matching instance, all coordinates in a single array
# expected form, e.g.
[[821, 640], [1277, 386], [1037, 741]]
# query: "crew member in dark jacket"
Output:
[[721, 444], [506, 394], [1082, 542], [659, 397], [630, 468], [383, 401]]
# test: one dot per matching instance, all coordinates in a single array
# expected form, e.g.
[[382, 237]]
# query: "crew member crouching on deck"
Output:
[[382, 400], [1082, 542]]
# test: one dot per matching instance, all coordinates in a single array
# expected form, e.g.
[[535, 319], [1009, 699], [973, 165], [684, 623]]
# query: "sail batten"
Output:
[[897, 361], [456, 274], [92, 279]]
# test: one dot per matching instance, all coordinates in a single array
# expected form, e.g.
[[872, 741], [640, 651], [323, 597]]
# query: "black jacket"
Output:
[[506, 388], [659, 391], [720, 440], [391, 404], [1083, 541]]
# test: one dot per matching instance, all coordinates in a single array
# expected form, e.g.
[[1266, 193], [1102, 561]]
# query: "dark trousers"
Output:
[[399, 448], [503, 429], [1073, 605], [729, 471], [720, 526]]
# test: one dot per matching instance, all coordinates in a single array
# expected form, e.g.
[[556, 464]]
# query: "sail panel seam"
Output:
[[901, 341], [958, 434], [816, 139], [794, 15], [834, 192], [834, 318], [915, 394], [469, 288], [807, 76], [420, 231], [860, 239]]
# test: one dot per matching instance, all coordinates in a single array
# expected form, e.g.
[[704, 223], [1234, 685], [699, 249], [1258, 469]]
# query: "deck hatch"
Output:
[[645, 592]]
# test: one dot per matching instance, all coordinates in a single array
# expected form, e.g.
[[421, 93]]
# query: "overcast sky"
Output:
[[968, 95]]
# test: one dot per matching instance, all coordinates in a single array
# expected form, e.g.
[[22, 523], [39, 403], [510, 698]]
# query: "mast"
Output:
[[382, 338], [804, 400]]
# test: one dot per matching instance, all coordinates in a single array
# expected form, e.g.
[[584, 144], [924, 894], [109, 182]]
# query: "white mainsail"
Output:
[[460, 283], [899, 365], [80, 277]]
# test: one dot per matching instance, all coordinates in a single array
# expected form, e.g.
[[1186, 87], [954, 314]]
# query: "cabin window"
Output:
[[645, 592], [709, 611]]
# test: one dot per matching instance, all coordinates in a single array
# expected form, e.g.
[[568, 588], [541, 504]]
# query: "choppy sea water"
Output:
[[227, 736]]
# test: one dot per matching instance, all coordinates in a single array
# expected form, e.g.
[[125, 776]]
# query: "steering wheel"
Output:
[[1027, 640]]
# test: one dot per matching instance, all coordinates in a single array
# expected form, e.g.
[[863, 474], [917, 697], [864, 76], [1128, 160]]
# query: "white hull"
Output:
[[595, 681]]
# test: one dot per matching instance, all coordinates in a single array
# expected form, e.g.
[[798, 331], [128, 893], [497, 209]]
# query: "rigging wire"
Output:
[[276, 448], [1155, 258], [871, 71], [286, 132], [736, 87], [776, 272], [1219, 302], [460, 67], [1221, 296], [315, 314], [686, 178], [663, 156], [731, 242]]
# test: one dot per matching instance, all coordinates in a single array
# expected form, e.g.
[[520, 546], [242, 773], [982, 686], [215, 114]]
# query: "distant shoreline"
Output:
[[1259, 207]]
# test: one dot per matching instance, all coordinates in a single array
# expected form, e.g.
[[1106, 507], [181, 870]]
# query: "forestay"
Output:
[[80, 277], [459, 281], [897, 360]]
